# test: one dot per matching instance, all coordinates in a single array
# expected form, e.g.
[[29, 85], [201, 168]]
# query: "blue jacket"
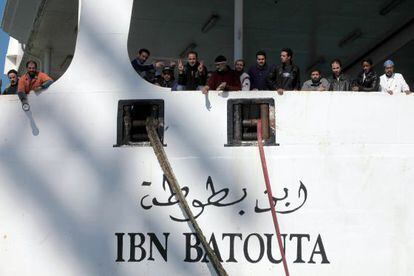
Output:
[[258, 77], [147, 71]]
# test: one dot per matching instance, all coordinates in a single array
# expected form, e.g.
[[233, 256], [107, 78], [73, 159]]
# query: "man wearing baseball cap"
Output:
[[391, 82], [166, 79]]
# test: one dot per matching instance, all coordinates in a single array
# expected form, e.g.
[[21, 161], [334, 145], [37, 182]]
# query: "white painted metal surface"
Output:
[[14, 55], [68, 197]]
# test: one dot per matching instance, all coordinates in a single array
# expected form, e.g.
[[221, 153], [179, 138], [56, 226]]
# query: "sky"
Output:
[[4, 42]]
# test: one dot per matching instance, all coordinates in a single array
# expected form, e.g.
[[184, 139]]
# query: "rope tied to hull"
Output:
[[172, 181], [269, 194]]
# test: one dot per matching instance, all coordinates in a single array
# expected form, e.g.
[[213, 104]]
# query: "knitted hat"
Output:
[[220, 58], [388, 63]]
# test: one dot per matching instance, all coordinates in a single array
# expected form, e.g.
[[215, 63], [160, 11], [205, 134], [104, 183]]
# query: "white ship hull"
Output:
[[72, 203]]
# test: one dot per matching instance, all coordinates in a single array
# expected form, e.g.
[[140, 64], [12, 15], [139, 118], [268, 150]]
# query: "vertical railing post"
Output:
[[238, 29]]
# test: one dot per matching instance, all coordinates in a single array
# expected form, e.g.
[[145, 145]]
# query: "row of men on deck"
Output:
[[286, 76]]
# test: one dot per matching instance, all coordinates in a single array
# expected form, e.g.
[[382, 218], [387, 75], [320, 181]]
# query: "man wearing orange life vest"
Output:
[[33, 79]]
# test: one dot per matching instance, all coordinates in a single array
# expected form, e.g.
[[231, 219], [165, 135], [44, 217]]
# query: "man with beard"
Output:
[[14, 79], [391, 82], [193, 75], [316, 83], [33, 79], [286, 75], [223, 79], [367, 80], [259, 72], [338, 81], [244, 77]]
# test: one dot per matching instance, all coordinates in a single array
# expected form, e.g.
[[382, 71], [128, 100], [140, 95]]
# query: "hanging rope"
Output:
[[269, 194], [172, 181]]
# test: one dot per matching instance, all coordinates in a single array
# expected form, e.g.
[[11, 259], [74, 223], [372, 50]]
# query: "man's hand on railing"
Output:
[[222, 86], [205, 89]]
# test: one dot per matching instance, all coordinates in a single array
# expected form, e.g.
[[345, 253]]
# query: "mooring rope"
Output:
[[172, 181], [269, 194]]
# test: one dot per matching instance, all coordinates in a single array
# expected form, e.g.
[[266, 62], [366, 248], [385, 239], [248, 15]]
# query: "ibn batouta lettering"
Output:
[[253, 247]]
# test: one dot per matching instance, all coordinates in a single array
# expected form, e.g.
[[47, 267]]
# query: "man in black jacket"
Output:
[[285, 76], [338, 81], [367, 80], [14, 80], [193, 75]]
